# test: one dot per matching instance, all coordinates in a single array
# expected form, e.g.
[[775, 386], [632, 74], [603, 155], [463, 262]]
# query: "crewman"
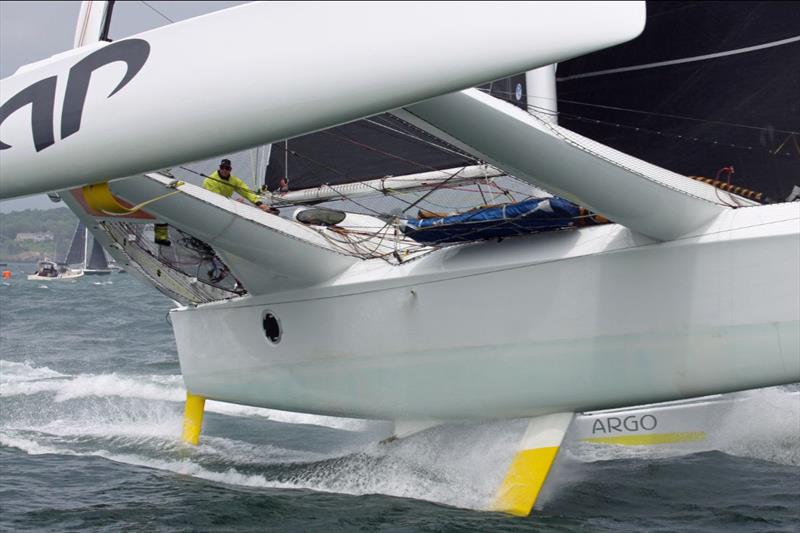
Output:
[[224, 183]]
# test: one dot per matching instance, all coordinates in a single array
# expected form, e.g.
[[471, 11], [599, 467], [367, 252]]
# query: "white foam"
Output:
[[102, 385], [421, 467], [31, 447], [11, 371], [459, 466], [287, 417], [24, 379], [765, 426]]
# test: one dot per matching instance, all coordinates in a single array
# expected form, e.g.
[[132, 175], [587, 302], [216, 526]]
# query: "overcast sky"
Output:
[[31, 31]]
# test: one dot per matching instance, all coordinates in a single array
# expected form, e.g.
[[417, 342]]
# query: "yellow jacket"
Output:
[[215, 183]]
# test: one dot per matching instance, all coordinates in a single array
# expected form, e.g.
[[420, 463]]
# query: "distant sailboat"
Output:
[[77, 247], [79, 257], [95, 263]]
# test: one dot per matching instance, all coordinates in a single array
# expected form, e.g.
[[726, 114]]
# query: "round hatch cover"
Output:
[[319, 216]]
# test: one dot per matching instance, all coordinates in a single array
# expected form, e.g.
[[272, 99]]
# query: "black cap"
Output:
[[225, 163]]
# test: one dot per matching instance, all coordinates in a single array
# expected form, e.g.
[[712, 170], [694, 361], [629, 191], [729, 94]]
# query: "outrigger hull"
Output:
[[569, 321]]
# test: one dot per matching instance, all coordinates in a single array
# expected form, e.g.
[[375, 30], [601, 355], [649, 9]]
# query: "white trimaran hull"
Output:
[[597, 318], [572, 320]]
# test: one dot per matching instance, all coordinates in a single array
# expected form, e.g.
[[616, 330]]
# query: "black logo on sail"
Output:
[[42, 94]]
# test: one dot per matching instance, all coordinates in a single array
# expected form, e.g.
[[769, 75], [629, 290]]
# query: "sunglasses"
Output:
[[225, 168]]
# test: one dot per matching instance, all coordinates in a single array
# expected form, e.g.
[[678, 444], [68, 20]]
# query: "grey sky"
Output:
[[32, 31]]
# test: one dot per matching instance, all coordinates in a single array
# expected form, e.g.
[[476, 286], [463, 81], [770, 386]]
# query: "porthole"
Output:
[[272, 327]]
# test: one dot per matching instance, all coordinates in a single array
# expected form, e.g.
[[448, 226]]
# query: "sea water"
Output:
[[91, 411]]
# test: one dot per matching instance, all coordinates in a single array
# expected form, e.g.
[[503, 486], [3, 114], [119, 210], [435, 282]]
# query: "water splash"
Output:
[[11, 371], [438, 467], [17, 379], [136, 419], [765, 425]]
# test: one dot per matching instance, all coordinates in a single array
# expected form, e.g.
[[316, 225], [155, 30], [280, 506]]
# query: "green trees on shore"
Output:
[[60, 222]]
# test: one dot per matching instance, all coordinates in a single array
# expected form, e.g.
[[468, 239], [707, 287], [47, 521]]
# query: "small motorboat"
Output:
[[50, 270]]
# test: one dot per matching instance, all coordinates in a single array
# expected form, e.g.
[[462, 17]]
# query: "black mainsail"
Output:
[[77, 246], [97, 259], [707, 85], [371, 148]]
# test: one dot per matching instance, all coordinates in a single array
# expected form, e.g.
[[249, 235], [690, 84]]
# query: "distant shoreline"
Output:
[[59, 222]]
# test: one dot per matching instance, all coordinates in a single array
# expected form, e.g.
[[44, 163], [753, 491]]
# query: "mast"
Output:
[[542, 93], [94, 21], [85, 247]]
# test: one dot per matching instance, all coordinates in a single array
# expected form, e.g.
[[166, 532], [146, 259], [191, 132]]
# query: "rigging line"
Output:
[[420, 139], [568, 116], [342, 245], [682, 60], [331, 169], [564, 134], [436, 188], [383, 152], [422, 135], [361, 243], [779, 148], [538, 109], [512, 93], [323, 166], [546, 111], [353, 141], [669, 115], [348, 199], [157, 11]]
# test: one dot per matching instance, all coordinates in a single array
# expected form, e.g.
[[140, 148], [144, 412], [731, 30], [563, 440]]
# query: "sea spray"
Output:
[[135, 419], [764, 426]]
